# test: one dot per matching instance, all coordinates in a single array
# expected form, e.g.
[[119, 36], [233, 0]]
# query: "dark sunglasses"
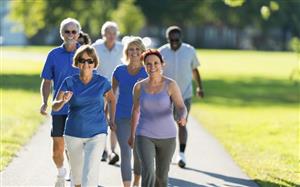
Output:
[[82, 61], [68, 32], [174, 40]]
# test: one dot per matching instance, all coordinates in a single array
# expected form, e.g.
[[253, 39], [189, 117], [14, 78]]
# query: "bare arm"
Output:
[[197, 78], [61, 99], [177, 99], [135, 113], [115, 85], [110, 98], [45, 92]]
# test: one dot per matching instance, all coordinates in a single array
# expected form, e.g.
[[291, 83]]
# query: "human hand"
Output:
[[67, 96], [131, 141], [112, 125], [182, 121], [43, 109], [200, 92]]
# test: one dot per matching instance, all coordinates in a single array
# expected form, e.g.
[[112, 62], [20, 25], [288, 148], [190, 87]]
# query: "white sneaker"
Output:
[[60, 180], [181, 160]]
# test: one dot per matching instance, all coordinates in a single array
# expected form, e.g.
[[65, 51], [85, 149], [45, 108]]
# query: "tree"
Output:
[[44, 15], [129, 17], [30, 14]]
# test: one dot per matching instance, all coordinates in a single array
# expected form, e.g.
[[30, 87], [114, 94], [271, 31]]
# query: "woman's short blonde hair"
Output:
[[86, 49], [132, 40]]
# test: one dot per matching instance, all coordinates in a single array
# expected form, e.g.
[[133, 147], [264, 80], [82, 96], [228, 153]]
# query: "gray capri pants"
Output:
[[162, 151], [123, 133]]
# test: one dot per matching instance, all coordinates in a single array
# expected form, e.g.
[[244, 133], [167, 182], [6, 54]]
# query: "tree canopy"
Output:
[[132, 15]]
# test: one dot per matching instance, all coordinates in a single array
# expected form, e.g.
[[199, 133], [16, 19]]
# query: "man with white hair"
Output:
[[109, 52], [57, 67]]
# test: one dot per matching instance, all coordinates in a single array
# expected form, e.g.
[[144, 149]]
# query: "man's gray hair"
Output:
[[109, 24], [66, 22]]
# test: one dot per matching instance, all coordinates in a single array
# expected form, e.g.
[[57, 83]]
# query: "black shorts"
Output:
[[58, 125]]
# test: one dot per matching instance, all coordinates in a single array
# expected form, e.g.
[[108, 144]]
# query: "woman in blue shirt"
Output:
[[124, 78], [86, 125]]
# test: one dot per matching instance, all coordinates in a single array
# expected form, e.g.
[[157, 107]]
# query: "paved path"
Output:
[[208, 165]]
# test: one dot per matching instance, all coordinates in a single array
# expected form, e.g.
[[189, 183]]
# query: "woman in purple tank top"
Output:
[[153, 128]]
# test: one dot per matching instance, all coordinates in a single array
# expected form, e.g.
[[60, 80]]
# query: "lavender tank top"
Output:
[[156, 114]]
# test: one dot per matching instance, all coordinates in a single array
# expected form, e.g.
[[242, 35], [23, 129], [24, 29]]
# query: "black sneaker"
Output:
[[114, 158], [181, 163], [104, 156]]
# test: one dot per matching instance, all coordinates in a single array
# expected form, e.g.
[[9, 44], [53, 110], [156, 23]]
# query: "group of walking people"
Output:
[[140, 94]]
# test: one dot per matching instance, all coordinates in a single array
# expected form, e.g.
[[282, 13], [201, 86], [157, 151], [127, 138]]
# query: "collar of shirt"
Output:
[[63, 49], [105, 49]]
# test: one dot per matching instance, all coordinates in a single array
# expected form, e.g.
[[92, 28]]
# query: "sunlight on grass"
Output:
[[20, 98], [20, 119], [31, 49], [252, 108], [247, 63], [28, 67]]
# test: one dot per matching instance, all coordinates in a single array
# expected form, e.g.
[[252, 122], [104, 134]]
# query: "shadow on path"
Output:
[[234, 180], [173, 182]]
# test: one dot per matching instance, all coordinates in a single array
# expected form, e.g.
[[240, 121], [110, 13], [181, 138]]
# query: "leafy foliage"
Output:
[[129, 17]]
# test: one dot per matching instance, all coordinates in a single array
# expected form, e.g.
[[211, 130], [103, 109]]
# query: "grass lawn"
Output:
[[20, 98], [252, 108]]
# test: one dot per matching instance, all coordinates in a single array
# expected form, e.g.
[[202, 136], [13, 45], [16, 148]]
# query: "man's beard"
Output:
[[70, 42]]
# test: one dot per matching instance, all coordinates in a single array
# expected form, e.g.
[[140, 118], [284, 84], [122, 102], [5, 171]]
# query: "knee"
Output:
[[147, 169]]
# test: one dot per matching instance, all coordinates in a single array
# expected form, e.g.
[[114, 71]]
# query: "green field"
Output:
[[20, 99], [252, 108]]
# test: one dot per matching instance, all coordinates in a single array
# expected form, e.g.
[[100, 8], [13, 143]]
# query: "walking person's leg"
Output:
[[183, 136], [146, 153], [137, 168], [113, 157], [75, 150], [57, 131], [123, 133], [165, 149], [91, 164], [104, 155]]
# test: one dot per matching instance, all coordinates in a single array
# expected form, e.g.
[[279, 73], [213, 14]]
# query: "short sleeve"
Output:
[[116, 73], [64, 86], [195, 61], [106, 86], [47, 72]]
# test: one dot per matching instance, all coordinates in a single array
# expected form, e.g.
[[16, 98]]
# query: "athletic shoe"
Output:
[[181, 160], [104, 156], [114, 158]]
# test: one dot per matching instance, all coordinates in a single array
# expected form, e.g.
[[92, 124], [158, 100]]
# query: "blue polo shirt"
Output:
[[86, 117], [57, 67], [126, 82]]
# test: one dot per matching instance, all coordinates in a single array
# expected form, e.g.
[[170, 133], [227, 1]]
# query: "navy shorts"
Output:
[[58, 125]]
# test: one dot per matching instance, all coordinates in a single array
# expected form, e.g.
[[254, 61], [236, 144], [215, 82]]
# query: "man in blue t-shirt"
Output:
[[57, 67]]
